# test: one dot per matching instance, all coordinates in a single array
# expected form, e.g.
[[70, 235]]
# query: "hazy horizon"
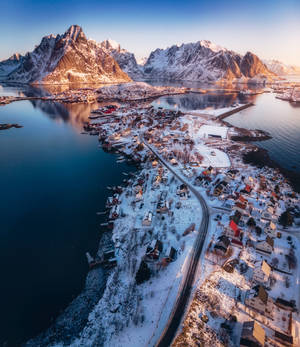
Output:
[[270, 30]]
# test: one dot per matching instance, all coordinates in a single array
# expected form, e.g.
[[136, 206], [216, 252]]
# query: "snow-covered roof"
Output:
[[206, 130]]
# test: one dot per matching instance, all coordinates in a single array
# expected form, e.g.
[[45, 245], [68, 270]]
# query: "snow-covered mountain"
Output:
[[68, 58], [204, 61], [125, 59], [10, 64], [142, 61], [280, 68]]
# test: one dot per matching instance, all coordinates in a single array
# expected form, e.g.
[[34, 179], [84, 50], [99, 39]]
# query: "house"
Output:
[[248, 188], [261, 273], [182, 189], [238, 206], [162, 206], [187, 172], [253, 334], [237, 243], [210, 131], [147, 221], [154, 249], [266, 245], [154, 163], [173, 161], [218, 189], [233, 231], [171, 254], [236, 217], [258, 301], [271, 229], [266, 215], [112, 200], [157, 181], [222, 246], [242, 200], [155, 244], [231, 173], [114, 212]]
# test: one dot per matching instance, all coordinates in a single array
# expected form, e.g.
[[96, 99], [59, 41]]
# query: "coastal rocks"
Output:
[[71, 322], [260, 158], [246, 135], [8, 126], [67, 58]]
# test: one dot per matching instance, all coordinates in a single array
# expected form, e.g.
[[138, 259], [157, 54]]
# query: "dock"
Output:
[[235, 110]]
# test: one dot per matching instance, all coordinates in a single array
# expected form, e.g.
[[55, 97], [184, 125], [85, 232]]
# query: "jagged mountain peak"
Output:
[[125, 59], [280, 68], [203, 61], [67, 58], [211, 46], [111, 44], [74, 32]]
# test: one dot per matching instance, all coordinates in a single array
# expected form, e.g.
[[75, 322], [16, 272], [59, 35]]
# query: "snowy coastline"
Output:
[[124, 315]]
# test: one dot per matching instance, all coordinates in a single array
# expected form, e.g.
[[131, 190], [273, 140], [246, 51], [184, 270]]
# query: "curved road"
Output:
[[179, 307]]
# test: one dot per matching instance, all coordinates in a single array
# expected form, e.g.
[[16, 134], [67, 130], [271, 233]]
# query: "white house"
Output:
[[208, 131], [261, 272]]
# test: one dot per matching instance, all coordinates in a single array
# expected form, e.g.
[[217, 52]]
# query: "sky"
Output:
[[268, 28]]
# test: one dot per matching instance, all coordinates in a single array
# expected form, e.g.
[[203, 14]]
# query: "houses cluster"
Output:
[[250, 205]]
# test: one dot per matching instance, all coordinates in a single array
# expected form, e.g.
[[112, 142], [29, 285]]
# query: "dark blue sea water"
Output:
[[52, 182]]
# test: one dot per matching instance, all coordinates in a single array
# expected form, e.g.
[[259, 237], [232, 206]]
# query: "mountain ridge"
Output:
[[72, 58], [67, 58], [205, 61]]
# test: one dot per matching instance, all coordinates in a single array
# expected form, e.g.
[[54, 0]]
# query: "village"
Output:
[[246, 287]]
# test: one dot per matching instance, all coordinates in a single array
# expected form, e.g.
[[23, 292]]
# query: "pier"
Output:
[[235, 110]]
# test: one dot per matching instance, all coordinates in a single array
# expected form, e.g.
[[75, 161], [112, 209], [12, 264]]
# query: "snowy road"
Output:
[[179, 307]]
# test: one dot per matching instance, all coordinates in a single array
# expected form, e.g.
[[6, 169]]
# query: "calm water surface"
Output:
[[282, 120], [53, 181]]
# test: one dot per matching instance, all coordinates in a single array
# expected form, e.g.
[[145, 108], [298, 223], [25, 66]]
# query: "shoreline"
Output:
[[57, 329], [260, 158]]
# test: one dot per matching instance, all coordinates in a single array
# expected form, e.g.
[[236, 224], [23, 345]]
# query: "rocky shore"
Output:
[[260, 157], [6, 126]]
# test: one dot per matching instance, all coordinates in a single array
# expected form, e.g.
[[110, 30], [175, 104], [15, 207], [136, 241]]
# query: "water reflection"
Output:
[[193, 101], [74, 113], [54, 181]]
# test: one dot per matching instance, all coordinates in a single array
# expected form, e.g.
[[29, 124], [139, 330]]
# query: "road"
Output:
[[182, 299]]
